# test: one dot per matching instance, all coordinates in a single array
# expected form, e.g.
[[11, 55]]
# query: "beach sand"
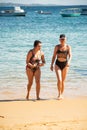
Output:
[[46, 114]]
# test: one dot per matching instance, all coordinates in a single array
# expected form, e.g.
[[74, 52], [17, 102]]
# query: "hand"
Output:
[[68, 64], [51, 67], [34, 66], [41, 64]]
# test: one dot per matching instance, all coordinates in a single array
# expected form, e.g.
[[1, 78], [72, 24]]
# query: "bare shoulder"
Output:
[[56, 47], [69, 47], [29, 52], [41, 52]]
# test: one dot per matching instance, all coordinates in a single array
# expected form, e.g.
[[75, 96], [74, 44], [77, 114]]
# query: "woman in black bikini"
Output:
[[34, 60], [62, 54]]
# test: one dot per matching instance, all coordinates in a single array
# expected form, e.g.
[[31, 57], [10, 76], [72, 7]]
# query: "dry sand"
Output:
[[48, 114]]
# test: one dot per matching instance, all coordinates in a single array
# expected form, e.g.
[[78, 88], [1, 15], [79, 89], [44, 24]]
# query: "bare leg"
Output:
[[59, 79], [64, 73], [30, 81], [37, 80]]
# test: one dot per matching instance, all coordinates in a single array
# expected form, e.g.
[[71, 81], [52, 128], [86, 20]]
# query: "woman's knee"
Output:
[[59, 80], [63, 80], [30, 83], [37, 81]]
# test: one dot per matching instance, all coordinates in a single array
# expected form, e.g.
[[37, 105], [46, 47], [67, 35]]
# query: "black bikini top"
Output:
[[62, 54], [34, 60]]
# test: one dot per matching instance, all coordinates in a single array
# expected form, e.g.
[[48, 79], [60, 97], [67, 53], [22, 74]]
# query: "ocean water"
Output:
[[17, 35]]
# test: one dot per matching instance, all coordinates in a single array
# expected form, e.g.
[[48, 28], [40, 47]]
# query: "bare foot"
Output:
[[27, 97], [38, 98], [60, 97]]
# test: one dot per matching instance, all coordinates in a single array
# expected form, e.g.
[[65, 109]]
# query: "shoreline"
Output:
[[45, 114]]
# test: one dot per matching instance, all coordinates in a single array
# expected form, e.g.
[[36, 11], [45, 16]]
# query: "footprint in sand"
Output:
[[2, 117]]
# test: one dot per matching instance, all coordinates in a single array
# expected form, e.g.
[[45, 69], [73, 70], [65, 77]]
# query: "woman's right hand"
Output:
[[51, 67], [34, 66]]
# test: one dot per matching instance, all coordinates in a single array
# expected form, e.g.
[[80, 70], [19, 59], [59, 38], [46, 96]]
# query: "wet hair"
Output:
[[36, 42], [62, 36]]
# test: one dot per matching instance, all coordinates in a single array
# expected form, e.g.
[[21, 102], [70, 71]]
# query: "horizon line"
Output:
[[43, 4]]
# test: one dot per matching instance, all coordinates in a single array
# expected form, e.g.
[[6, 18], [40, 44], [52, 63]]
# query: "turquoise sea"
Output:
[[17, 35]]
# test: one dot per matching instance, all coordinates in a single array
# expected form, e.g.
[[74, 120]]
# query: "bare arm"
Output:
[[29, 55], [70, 56], [53, 58], [43, 61]]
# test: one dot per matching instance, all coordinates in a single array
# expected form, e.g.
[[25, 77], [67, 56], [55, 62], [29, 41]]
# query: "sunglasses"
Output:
[[62, 38]]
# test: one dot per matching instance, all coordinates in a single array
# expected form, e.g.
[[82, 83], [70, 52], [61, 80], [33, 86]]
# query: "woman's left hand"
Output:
[[41, 64], [68, 64]]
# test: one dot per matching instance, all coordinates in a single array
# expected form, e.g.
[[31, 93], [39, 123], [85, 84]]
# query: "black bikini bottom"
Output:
[[61, 65], [33, 69]]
